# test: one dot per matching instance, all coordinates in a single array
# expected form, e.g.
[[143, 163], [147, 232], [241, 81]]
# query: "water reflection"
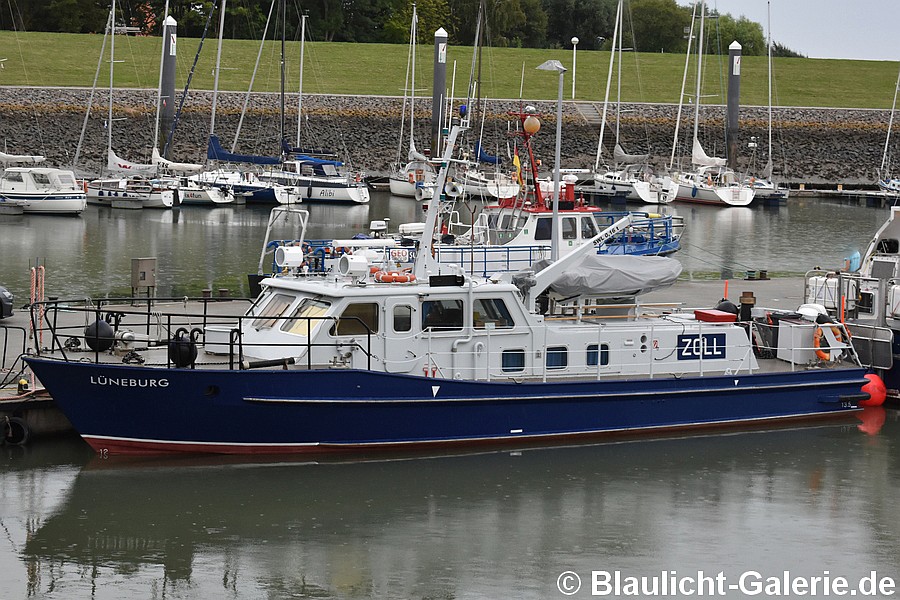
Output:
[[199, 247], [488, 525]]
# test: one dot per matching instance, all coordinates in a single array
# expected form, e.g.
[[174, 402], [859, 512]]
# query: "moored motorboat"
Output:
[[431, 357], [42, 190]]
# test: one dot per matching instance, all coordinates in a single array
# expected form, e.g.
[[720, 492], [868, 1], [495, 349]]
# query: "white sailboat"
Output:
[[631, 175], [711, 182], [766, 190], [417, 173], [135, 186]]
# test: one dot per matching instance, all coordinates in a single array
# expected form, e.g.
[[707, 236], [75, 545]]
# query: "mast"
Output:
[[687, 62], [699, 70], [300, 94], [87, 113], [767, 172], [212, 118], [283, 28], [612, 56], [162, 60], [890, 126], [112, 61], [413, 31]]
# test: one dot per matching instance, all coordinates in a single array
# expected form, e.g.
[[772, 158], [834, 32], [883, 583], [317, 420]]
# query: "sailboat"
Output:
[[134, 188], [631, 176], [711, 183], [417, 173], [316, 179], [886, 181], [766, 190], [244, 184]]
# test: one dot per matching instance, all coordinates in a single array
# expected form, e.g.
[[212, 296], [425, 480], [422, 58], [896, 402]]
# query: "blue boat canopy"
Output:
[[484, 156], [303, 155], [215, 151]]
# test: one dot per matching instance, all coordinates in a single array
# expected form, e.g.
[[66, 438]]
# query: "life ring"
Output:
[[394, 277], [709, 180], [825, 354], [358, 178], [412, 177], [15, 431]]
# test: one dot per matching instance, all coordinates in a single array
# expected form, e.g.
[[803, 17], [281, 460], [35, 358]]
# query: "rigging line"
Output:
[[31, 89], [93, 90], [719, 256]]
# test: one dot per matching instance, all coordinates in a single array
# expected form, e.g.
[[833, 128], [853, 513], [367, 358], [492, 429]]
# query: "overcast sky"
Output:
[[862, 29]]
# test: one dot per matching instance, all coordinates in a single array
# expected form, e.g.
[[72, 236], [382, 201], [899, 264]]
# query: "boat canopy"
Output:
[[484, 156], [619, 275], [306, 155], [7, 159], [215, 151], [117, 164], [701, 159], [621, 157]]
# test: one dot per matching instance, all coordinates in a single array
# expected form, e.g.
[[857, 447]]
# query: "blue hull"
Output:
[[124, 409]]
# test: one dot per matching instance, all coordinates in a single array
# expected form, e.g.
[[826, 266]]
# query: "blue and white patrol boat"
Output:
[[355, 360]]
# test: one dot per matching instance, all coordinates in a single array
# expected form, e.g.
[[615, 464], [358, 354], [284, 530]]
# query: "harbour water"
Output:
[[200, 248], [765, 508]]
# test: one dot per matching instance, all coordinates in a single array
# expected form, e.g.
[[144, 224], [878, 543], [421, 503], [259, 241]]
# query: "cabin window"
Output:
[[491, 310], [67, 180], [569, 228], [41, 179], [442, 315], [306, 316], [557, 357], [15, 177], [505, 221], [513, 361], [598, 354], [889, 246], [543, 229], [273, 309], [402, 317], [588, 228], [357, 319]]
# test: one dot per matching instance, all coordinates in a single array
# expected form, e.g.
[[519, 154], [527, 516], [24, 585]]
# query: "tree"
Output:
[[591, 21], [725, 30], [658, 25]]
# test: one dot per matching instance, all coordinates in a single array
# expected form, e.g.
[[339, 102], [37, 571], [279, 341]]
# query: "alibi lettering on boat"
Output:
[[371, 356]]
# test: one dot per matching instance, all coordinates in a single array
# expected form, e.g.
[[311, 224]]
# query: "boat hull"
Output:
[[62, 204], [125, 409]]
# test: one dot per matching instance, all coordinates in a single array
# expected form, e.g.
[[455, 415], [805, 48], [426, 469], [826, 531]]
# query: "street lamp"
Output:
[[575, 41], [555, 65]]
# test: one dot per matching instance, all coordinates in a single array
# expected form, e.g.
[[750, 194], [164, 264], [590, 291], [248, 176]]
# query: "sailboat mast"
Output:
[[212, 118], [283, 30], [687, 62], [612, 56], [87, 113], [699, 70], [769, 48], [890, 126], [300, 94], [112, 60]]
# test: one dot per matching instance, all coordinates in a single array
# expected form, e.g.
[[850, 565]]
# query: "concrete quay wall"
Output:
[[810, 145]]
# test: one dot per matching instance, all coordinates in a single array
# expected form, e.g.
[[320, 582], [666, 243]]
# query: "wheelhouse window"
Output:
[[402, 318], [442, 315], [598, 355], [306, 317], [271, 310], [557, 357], [543, 229], [513, 361], [359, 318], [588, 228], [569, 228], [14, 177], [41, 179], [491, 310]]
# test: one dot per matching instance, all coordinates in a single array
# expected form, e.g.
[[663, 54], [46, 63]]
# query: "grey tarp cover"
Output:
[[601, 275]]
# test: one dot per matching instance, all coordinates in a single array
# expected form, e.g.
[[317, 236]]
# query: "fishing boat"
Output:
[[42, 190], [355, 361]]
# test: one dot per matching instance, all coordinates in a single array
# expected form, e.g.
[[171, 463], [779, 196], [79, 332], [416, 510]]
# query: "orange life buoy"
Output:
[[825, 354], [394, 277]]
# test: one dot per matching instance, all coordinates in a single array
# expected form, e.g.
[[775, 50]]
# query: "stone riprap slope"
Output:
[[811, 145]]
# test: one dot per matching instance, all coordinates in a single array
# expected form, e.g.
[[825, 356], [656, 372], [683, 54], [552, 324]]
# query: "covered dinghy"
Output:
[[605, 275]]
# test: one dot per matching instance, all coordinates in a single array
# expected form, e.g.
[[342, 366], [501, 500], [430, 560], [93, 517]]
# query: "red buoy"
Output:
[[876, 390]]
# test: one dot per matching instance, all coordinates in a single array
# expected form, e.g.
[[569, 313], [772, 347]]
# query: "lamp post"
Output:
[[575, 41], [555, 65]]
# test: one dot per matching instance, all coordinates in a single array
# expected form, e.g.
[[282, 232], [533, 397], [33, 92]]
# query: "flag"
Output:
[[518, 165]]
